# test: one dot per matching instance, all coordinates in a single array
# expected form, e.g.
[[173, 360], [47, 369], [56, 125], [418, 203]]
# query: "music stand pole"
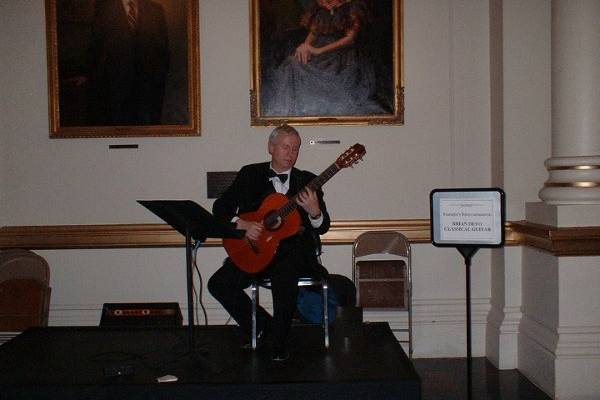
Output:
[[193, 222]]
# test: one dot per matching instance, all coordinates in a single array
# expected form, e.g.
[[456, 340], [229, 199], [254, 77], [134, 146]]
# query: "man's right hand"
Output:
[[253, 229]]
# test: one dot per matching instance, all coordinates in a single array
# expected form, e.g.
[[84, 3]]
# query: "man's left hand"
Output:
[[309, 201]]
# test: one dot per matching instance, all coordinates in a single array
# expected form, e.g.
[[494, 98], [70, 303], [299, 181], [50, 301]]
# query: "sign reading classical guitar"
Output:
[[281, 219]]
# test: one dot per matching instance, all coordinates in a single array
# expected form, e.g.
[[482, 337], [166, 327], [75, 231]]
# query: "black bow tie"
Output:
[[273, 174]]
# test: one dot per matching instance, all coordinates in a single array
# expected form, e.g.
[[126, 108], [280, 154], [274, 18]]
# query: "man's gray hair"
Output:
[[285, 128]]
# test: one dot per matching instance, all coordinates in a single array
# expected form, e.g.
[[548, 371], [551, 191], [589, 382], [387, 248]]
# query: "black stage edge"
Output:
[[118, 363]]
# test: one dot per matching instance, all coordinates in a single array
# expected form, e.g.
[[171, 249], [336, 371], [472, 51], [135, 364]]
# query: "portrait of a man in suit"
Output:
[[118, 65]]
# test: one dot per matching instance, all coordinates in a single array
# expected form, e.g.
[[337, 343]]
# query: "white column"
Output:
[[559, 333], [574, 168]]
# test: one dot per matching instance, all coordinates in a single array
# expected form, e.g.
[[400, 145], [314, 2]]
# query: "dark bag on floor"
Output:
[[341, 292]]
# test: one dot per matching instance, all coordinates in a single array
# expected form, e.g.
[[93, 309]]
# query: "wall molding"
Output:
[[578, 342], [563, 241], [543, 336], [506, 320], [162, 235], [564, 342]]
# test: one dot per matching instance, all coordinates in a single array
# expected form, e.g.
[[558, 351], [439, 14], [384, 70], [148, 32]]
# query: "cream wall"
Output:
[[445, 142], [520, 54], [446, 126]]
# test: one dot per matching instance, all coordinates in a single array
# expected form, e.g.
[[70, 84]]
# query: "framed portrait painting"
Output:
[[123, 68], [326, 62]]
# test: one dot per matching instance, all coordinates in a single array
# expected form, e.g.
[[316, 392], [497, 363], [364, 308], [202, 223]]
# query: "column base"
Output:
[[570, 195], [559, 334]]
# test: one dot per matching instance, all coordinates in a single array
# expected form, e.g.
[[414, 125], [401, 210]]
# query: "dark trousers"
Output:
[[228, 283]]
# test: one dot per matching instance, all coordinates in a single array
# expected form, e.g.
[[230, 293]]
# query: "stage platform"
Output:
[[77, 363]]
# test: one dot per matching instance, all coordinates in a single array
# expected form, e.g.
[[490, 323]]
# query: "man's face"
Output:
[[284, 151]]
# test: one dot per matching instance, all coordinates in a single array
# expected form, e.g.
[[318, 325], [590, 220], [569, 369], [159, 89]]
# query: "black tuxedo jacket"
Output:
[[252, 185]]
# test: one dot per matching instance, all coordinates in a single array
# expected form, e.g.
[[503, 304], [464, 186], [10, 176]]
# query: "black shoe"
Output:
[[260, 341], [280, 356]]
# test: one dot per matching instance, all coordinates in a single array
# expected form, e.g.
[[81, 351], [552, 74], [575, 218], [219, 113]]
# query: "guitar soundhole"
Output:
[[272, 221]]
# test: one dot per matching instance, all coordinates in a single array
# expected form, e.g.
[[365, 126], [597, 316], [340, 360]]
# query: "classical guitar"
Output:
[[281, 219]]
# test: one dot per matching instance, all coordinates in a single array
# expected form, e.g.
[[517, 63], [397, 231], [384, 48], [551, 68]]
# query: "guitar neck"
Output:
[[315, 184]]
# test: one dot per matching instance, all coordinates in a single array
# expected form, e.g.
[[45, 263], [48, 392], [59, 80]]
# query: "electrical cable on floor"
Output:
[[195, 295], [194, 291], [200, 286]]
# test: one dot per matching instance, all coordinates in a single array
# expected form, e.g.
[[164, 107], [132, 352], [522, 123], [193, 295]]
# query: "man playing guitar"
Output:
[[294, 253]]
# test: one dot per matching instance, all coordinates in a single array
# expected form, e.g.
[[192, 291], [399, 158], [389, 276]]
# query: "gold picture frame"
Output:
[[288, 87], [111, 74]]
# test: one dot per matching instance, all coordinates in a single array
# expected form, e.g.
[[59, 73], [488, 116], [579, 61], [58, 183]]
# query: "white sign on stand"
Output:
[[467, 217]]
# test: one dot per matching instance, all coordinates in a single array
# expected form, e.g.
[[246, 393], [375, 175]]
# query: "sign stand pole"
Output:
[[467, 219], [468, 252]]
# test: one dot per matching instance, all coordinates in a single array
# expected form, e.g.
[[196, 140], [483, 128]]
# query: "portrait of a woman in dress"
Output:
[[334, 59]]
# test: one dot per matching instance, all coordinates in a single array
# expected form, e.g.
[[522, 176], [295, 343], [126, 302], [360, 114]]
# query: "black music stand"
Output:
[[193, 222]]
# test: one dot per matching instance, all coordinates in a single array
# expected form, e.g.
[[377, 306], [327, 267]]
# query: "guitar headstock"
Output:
[[351, 156]]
